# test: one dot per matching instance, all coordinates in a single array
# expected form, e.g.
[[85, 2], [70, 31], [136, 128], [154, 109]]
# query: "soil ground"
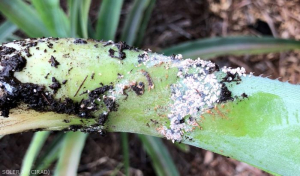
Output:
[[173, 22]]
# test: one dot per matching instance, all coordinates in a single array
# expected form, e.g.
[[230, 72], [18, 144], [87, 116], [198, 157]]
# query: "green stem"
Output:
[[114, 88]]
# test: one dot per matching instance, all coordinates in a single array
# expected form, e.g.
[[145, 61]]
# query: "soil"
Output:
[[173, 22], [54, 62], [121, 47]]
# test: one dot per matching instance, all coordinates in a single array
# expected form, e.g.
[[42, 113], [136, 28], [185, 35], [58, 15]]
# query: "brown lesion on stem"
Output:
[[149, 79]]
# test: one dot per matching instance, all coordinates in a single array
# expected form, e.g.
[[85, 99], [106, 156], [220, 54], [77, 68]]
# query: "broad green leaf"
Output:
[[108, 19], [263, 130], [24, 17], [160, 156], [133, 21], [7, 29], [53, 17], [70, 153], [50, 154], [32, 152], [144, 24], [212, 47]]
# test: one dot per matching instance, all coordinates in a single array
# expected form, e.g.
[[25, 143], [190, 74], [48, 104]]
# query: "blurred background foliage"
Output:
[[229, 32]]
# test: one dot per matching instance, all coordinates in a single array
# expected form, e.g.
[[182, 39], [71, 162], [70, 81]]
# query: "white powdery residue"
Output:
[[251, 74], [240, 70], [196, 91], [178, 56], [119, 89], [151, 59]]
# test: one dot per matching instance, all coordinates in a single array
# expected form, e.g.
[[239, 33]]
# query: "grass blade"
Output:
[[51, 153], [160, 156], [70, 153], [33, 150], [108, 19], [212, 47], [73, 14], [125, 149], [84, 14], [6, 30], [145, 22], [133, 21], [24, 17], [53, 17]]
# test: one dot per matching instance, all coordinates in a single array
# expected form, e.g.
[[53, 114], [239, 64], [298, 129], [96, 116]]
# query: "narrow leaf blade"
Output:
[[84, 14], [73, 14], [70, 153], [50, 154], [24, 17], [36, 144], [108, 19], [125, 149], [160, 156], [53, 17], [145, 21], [212, 47], [133, 21], [11, 38], [6, 30]]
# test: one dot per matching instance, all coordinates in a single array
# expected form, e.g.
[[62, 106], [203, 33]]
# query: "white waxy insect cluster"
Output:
[[152, 59], [198, 90], [239, 71]]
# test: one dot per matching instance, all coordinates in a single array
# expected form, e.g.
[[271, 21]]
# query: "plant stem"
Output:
[[113, 87]]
